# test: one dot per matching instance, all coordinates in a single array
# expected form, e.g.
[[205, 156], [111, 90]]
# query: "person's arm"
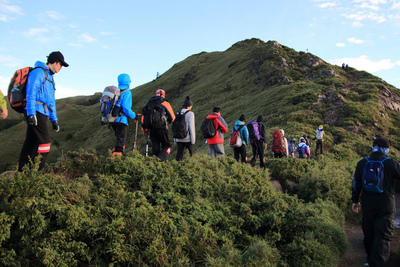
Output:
[[169, 110], [3, 106], [222, 124], [357, 183], [192, 127]]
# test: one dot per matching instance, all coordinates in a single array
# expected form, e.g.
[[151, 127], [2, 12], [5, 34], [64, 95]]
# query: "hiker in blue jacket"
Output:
[[244, 135], [120, 125], [40, 106]]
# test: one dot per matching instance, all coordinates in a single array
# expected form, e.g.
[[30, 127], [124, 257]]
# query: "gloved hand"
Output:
[[56, 128], [32, 120]]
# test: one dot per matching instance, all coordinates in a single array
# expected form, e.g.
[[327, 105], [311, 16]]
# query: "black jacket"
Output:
[[383, 201]]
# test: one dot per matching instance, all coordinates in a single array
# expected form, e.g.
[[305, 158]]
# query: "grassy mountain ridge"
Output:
[[295, 91]]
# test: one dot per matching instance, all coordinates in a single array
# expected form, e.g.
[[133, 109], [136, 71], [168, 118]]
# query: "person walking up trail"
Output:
[[303, 150], [374, 180], [244, 135], [216, 143], [189, 122], [319, 136], [257, 140], [124, 104], [156, 116], [40, 106]]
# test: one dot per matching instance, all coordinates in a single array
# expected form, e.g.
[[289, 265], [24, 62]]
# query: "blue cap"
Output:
[[124, 81]]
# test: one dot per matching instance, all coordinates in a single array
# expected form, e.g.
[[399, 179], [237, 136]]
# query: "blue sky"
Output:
[[101, 39]]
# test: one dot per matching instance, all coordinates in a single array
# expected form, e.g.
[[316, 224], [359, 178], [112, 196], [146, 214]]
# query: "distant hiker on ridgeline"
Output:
[[279, 144], [156, 116], [124, 106], [240, 149], [292, 146], [257, 140], [183, 129], [377, 200], [3, 106], [319, 136], [40, 106], [215, 134], [302, 149]]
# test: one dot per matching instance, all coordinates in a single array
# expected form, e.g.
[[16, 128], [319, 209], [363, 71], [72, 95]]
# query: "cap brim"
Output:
[[64, 64]]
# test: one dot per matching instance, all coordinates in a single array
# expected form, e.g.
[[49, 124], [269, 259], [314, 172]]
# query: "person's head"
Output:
[[321, 127], [304, 136], [381, 144], [56, 61], [242, 118], [302, 140], [282, 131], [260, 118], [187, 103], [160, 92], [217, 110], [124, 81]]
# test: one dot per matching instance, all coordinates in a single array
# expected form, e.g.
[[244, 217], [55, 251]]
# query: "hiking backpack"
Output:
[[254, 131], [301, 150], [208, 128], [16, 93], [319, 134], [373, 176], [109, 109], [278, 143], [236, 140], [154, 115], [179, 129]]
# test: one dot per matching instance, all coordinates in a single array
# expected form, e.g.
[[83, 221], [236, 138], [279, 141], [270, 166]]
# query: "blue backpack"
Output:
[[373, 176]]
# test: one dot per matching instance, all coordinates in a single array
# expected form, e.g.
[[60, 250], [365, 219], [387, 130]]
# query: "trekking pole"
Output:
[[147, 145], [134, 143]]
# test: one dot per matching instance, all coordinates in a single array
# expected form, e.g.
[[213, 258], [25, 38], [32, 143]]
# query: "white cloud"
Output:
[[9, 12], [361, 15], [10, 61], [328, 4], [75, 45], [4, 84], [364, 63], [340, 44], [357, 24], [86, 38], [354, 40], [35, 32], [395, 6], [55, 15], [366, 5], [398, 63], [72, 26]]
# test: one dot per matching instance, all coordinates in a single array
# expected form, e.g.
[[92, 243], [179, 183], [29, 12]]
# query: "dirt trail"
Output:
[[356, 255]]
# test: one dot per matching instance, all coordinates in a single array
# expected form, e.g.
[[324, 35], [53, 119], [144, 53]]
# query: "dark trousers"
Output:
[[181, 148], [318, 146], [240, 151], [378, 232], [257, 148], [121, 131], [37, 141], [161, 145]]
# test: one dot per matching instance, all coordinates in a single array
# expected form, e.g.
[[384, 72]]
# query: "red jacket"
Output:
[[221, 127]]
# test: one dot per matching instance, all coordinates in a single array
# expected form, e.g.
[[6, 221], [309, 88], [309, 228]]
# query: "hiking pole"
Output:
[[147, 145], [134, 143]]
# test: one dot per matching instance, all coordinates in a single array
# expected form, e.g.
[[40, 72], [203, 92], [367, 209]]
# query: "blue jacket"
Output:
[[45, 94], [125, 102], [244, 133]]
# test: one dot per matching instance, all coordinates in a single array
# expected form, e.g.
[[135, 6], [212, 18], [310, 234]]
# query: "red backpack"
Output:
[[278, 143]]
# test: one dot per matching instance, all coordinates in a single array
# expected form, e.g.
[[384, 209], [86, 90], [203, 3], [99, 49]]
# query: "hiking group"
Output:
[[32, 93]]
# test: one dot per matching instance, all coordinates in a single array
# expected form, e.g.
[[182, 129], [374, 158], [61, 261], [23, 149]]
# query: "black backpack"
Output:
[[154, 115], [208, 128], [179, 129]]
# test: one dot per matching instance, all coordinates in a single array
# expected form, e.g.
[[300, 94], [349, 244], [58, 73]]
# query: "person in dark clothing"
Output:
[[258, 146], [190, 139], [377, 208], [161, 145]]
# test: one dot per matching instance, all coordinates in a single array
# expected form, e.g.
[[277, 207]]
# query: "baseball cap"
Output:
[[56, 56]]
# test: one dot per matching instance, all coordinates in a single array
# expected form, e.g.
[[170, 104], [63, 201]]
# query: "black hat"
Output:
[[56, 56], [187, 102], [216, 109], [381, 142], [242, 118]]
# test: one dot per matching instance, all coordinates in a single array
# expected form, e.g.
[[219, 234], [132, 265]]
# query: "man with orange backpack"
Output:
[[279, 144]]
